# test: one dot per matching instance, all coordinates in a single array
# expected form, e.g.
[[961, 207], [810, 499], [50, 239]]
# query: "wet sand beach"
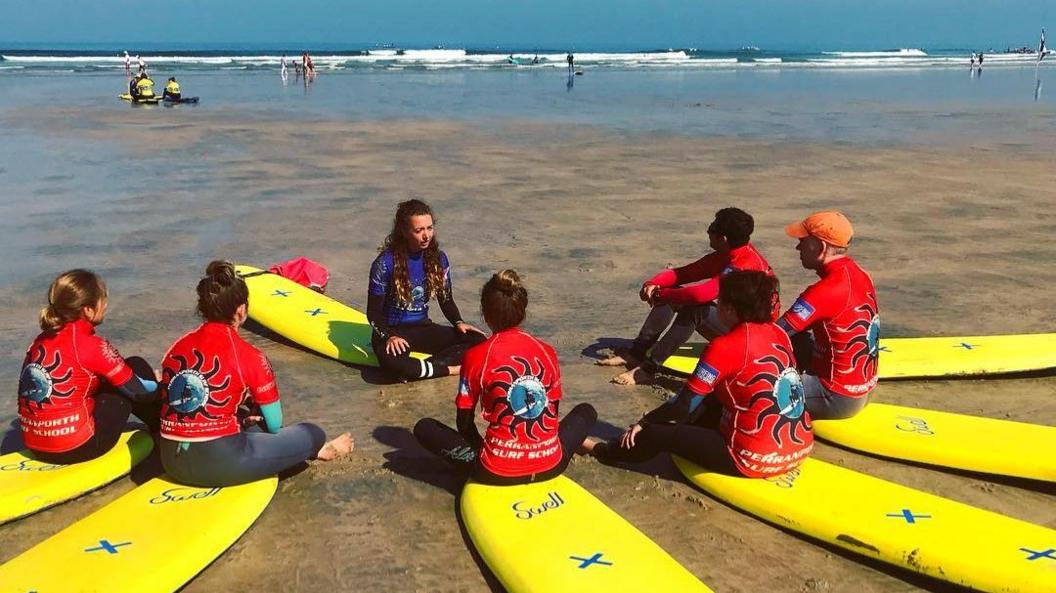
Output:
[[957, 235]]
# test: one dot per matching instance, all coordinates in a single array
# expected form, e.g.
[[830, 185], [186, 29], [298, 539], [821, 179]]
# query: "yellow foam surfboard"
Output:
[[906, 358], [885, 521], [554, 537], [154, 539], [128, 97], [952, 440], [28, 485], [309, 318]]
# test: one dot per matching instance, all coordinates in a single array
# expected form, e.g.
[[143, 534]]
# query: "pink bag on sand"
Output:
[[305, 272]]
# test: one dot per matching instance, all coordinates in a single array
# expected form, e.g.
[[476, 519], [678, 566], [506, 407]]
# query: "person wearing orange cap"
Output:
[[842, 317]]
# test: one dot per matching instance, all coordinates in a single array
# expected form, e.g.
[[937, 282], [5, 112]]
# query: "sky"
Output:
[[551, 24]]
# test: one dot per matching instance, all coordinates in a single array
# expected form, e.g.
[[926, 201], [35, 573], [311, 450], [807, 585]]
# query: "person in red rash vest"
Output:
[[742, 412], [835, 322], [686, 297]]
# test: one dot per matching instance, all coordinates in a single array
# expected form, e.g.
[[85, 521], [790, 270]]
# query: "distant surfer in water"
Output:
[[210, 376], [128, 63], [285, 71], [76, 392], [411, 270], [571, 59], [515, 379], [835, 322], [142, 64], [742, 412], [686, 297]]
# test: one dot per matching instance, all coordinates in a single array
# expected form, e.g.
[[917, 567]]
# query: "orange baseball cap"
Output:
[[829, 226]]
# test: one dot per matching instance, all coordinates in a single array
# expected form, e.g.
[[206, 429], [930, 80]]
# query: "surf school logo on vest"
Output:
[[183, 495], [788, 389], [188, 390], [525, 511], [35, 383], [527, 397], [873, 337]]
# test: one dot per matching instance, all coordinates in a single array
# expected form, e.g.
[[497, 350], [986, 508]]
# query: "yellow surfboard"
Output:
[[309, 318], [885, 521], [951, 440], [154, 539], [905, 358], [28, 485], [554, 536]]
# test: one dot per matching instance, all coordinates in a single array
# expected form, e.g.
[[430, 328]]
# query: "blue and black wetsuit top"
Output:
[[384, 309]]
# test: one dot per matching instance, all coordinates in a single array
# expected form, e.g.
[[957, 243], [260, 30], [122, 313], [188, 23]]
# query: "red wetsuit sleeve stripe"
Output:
[[698, 294]]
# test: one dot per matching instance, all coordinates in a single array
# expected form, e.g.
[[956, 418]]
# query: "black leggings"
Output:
[[445, 343], [240, 458], [700, 442], [448, 444], [112, 409], [687, 319]]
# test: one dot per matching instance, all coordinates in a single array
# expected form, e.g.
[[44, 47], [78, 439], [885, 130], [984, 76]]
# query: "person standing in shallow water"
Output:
[[410, 271], [516, 379]]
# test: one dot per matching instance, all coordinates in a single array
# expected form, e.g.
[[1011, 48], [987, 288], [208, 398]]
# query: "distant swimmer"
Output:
[[172, 90], [285, 70], [128, 63], [410, 271], [211, 379], [682, 300], [971, 62], [76, 391], [980, 66], [142, 65], [835, 323], [535, 60], [515, 380], [571, 59]]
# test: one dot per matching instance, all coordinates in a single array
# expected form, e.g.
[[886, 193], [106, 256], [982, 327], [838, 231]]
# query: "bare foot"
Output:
[[636, 376], [617, 360], [338, 447]]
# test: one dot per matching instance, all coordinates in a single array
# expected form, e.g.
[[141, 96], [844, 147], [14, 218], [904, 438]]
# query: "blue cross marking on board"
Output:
[[282, 293], [966, 345], [1035, 555], [316, 311], [586, 562], [908, 516], [109, 547]]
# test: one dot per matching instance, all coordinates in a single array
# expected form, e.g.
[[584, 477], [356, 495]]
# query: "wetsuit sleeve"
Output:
[[272, 416], [376, 316], [261, 380], [811, 307], [138, 389], [711, 367], [102, 358], [447, 303], [708, 266], [698, 294], [468, 428], [380, 277]]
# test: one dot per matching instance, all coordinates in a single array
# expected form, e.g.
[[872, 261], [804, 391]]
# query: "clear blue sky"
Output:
[[778, 24]]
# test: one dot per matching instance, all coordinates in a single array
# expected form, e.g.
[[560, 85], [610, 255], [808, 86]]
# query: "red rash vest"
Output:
[[207, 374], [764, 419], [61, 373], [840, 310], [517, 381]]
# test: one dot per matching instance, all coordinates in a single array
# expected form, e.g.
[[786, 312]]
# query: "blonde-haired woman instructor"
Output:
[[75, 392]]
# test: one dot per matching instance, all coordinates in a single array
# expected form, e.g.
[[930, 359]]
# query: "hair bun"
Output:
[[507, 281]]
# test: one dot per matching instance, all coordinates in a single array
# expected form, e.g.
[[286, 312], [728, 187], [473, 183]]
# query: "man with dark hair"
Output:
[[686, 295]]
